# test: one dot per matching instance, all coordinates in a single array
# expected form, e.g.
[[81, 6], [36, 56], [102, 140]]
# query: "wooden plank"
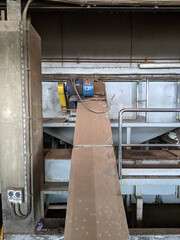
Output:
[[93, 129], [95, 206]]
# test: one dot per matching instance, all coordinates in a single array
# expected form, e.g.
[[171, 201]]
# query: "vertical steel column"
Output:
[[147, 97], [147, 104], [137, 98], [178, 100], [128, 201], [120, 146], [139, 206], [139, 211], [128, 140]]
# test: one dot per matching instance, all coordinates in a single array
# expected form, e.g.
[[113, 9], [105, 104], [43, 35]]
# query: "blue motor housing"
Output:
[[84, 87], [88, 88]]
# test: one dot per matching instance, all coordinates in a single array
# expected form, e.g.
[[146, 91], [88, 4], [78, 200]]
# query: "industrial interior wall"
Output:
[[108, 34], [11, 124]]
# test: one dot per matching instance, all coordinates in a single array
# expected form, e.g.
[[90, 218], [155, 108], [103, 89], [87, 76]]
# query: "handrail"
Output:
[[120, 145]]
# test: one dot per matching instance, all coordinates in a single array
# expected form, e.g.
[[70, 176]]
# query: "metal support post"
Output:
[[147, 98], [139, 206], [147, 148], [178, 192], [178, 101], [42, 204], [128, 137], [47, 204], [137, 98], [139, 211], [128, 201]]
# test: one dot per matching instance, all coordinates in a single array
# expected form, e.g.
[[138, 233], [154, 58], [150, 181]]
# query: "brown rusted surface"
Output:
[[93, 129], [175, 152], [54, 120], [99, 88], [128, 155], [149, 154], [96, 97], [95, 207], [58, 154], [151, 159]]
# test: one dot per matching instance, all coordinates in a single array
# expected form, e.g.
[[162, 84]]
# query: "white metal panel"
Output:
[[57, 170]]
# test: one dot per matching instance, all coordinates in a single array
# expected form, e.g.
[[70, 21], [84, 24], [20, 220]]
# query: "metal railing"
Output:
[[120, 145]]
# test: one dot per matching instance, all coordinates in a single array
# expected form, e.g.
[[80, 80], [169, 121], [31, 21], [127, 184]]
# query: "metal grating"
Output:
[[54, 224]]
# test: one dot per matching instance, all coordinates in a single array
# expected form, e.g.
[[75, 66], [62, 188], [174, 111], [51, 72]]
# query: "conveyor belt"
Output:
[[95, 207]]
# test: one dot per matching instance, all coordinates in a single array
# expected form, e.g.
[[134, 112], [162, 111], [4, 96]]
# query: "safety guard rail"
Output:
[[120, 123]]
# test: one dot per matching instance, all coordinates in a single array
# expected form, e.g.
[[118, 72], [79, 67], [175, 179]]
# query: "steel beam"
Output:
[[104, 69], [175, 172], [115, 125]]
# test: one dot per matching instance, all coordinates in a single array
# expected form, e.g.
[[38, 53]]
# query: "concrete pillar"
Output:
[[12, 131], [13, 10]]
